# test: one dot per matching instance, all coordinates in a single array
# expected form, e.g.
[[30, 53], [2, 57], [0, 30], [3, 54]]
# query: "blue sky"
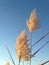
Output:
[[13, 15]]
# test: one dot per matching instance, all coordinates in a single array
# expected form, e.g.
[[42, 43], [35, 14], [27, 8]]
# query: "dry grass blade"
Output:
[[40, 39], [10, 55], [40, 48], [45, 62]]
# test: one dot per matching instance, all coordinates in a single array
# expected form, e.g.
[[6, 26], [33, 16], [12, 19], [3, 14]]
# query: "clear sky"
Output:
[[13, 15]]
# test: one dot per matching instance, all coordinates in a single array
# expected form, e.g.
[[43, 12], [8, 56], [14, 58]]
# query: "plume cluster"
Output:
[[23, 48]]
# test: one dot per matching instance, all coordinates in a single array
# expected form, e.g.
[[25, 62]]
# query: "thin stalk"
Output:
[[10, 55], [19, 60], [31, 48], [45, 62], [40, 48], [40, 39], [23, 62]]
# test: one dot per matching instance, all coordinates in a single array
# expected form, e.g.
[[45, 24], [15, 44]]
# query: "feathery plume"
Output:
[[23, 50], [33, 22]]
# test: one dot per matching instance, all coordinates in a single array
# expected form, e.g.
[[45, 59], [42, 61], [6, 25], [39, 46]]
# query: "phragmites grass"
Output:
[[33, 24], [23, 47]]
